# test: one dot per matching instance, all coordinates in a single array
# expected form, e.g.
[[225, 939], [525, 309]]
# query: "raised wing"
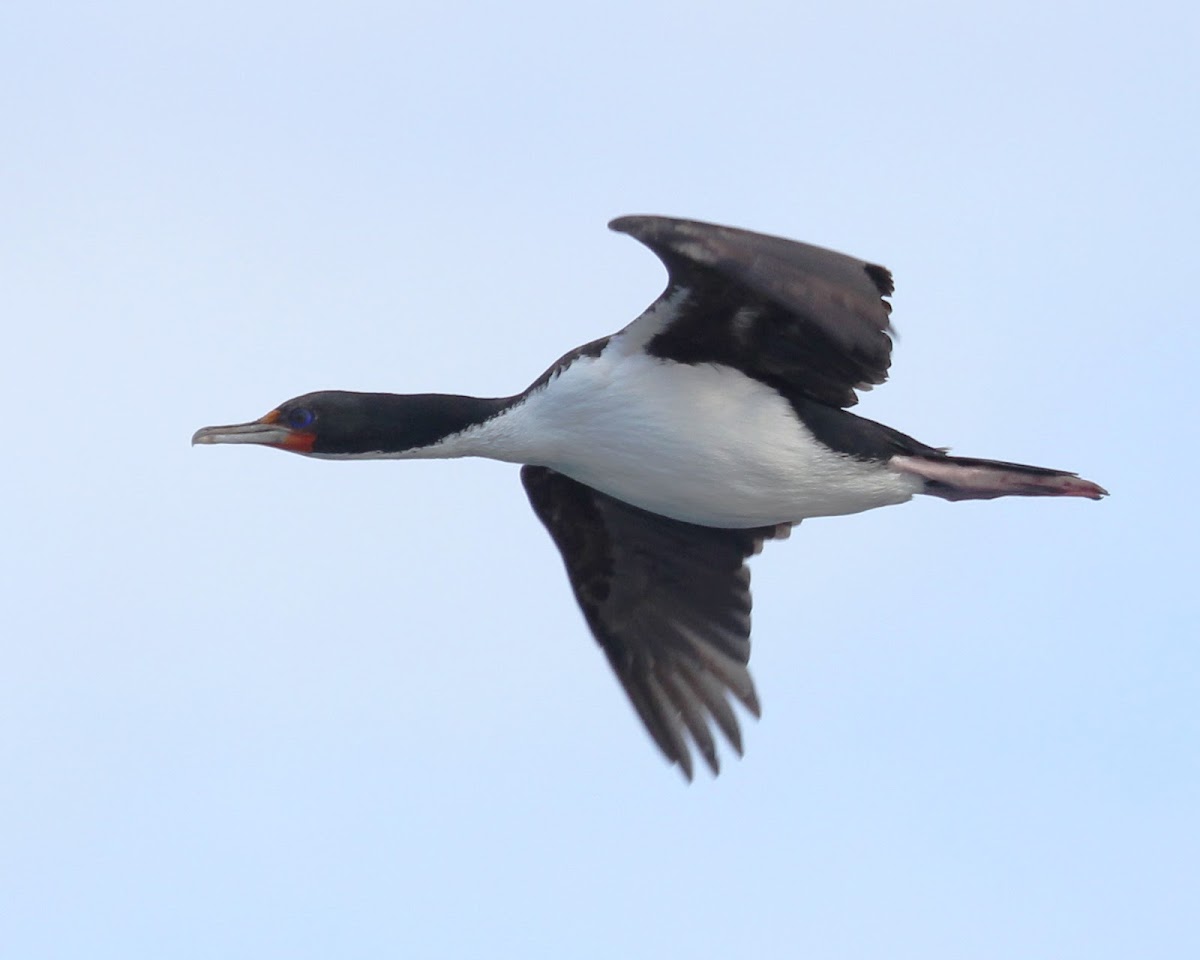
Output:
[[668, 601], [800, 317]]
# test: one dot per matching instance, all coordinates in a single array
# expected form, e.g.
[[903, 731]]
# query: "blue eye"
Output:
[[300, 418]]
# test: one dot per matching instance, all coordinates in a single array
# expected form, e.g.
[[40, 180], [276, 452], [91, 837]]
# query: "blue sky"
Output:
[[256, 706]]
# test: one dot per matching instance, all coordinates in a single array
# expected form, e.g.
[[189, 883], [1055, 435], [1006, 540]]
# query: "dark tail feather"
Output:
[[965, 478]]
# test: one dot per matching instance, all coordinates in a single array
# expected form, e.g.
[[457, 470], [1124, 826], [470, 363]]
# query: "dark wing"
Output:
[[796, 316], [668, 601]]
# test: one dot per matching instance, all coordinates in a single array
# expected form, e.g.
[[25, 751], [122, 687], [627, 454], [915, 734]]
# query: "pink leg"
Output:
[[964, 478]]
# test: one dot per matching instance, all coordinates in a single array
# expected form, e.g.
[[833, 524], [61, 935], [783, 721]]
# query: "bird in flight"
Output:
[[663, 456]]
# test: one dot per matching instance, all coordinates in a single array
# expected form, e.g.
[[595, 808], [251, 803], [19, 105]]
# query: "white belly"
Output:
[[703, 443]]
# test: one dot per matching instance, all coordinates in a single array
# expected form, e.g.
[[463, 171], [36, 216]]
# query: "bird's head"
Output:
[[340, 423], [304, 424]]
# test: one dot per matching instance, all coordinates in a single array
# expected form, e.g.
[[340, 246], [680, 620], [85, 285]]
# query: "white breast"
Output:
[[702, 443]]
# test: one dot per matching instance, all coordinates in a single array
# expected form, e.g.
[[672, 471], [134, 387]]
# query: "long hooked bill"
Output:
[[265, 430]]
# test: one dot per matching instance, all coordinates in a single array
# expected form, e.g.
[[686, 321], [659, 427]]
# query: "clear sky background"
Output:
[[254, 706]]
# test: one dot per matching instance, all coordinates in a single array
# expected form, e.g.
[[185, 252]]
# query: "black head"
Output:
[[342, 423]]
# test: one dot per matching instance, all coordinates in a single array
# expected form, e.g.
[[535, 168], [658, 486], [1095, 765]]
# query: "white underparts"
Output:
[[702, 443]]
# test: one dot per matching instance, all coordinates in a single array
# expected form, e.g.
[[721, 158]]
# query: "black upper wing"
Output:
[[668, 601], [797, 316]]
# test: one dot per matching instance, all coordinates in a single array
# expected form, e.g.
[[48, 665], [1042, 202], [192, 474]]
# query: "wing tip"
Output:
[[623, 224], [649, 229], [882, 278], [629, 222]]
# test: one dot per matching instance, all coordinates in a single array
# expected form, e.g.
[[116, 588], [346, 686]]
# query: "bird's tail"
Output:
[[965, 478]]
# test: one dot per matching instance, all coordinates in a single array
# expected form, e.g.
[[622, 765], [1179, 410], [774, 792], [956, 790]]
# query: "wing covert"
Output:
[[797, 316]]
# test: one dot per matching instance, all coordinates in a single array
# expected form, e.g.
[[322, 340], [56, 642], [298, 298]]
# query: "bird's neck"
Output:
[[416, 426]]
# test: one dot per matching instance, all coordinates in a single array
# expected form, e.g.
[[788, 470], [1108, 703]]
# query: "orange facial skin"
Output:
[[297, 441]]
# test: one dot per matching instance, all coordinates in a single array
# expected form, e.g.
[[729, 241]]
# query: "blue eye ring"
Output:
[[300, 418]]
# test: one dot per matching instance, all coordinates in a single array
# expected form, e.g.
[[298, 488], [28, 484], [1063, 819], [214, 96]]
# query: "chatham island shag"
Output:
[[663, 456]]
